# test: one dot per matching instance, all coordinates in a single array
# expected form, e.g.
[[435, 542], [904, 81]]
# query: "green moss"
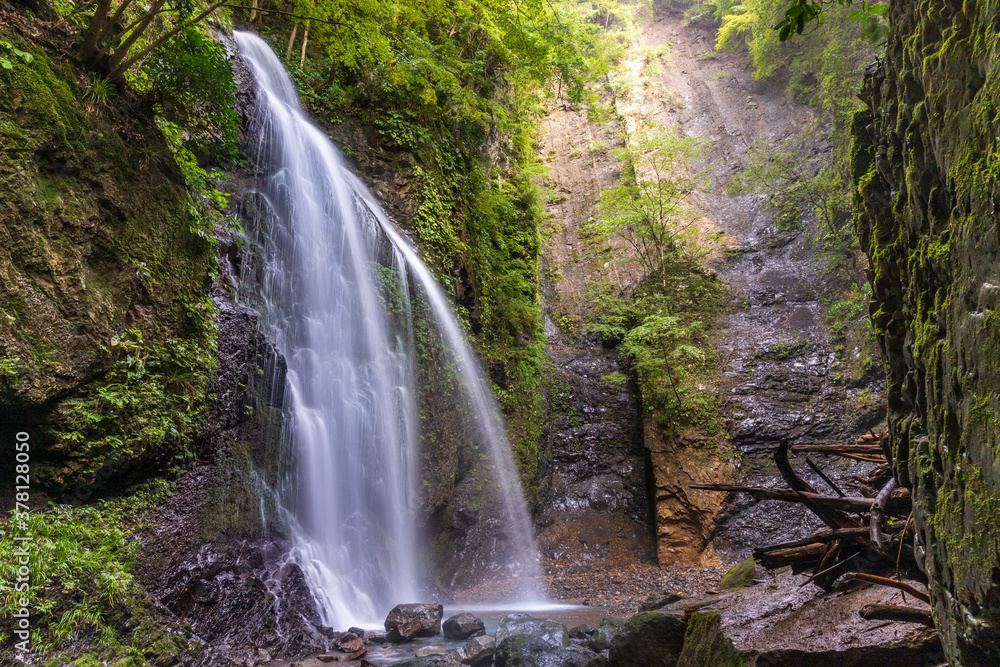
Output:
[[148, 407], [83, 593], [47, 92], [926, 219], [705, 644], [740, 576], [110, 261]]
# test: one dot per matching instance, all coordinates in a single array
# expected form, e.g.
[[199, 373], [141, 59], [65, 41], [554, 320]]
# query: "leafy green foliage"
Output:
[[803, 12], [149, 405], [825, 70], [648, 210], [449, 56], [82, 586], [190, 81], [15, 52], [100, 92], [666, 329]]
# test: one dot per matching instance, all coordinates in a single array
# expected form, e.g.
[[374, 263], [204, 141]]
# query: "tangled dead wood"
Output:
[[866, 538]]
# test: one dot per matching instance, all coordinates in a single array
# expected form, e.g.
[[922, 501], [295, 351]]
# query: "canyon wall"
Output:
[[925, 166]]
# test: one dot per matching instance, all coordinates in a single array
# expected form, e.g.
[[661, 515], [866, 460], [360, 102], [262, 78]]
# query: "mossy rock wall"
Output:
[[107, 334], [928, 191]]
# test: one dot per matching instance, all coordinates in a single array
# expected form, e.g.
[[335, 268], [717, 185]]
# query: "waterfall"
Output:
[[351, 430]]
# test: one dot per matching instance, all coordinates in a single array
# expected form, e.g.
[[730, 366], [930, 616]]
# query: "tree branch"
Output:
[[123, 65]]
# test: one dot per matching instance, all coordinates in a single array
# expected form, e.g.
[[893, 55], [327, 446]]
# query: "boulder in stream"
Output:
[[600, 640], [462, 626], [550, 632], [407, 621], [477, 651], [522, 650]]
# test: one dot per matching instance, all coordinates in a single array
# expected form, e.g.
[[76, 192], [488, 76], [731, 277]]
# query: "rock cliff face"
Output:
[[106, 338], [927, 197]]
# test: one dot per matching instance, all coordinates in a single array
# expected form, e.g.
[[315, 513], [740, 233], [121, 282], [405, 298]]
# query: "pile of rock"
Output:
[[784, 622], [521, 640], [352, 646]]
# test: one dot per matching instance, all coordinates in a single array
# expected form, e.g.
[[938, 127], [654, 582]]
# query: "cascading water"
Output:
[[351, 427]]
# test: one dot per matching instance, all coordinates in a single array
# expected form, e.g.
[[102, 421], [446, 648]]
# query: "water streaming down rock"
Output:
[[351, 428]]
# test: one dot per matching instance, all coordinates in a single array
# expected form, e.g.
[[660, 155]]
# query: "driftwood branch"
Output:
[[835, 502], [891, 612], [878, 511], [775, 558], [869, 450], [822, 475], [891, 583], [822, 536]]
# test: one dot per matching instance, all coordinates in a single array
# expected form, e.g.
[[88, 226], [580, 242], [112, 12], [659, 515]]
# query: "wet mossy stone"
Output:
[[651, 639], [407, 621], [706, 644], [463, 626], [605, 633], [742, 575]]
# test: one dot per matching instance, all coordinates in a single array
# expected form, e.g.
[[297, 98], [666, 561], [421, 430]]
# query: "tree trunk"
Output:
[[305, 40], [291, 41], [89, 51], [121, 53]]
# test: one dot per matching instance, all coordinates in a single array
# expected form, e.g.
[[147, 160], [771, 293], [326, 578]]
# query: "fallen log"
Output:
[[891, 583], [891, 612], [834, 502], [870, 450], [801, 555], [818, 538]]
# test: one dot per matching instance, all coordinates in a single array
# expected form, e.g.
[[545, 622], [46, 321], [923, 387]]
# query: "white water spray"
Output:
[[351, 422]]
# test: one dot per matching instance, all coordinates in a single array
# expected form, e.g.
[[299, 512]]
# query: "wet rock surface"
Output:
[[528, 651], [208, 557], [778, 623], [927, 219], [209, 584], [782, 379], [550, 632], [407, 621], [595, 458], [477, 651], [463, 626]]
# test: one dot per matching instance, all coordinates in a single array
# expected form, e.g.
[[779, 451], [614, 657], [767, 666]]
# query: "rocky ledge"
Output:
[[783, 622]]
